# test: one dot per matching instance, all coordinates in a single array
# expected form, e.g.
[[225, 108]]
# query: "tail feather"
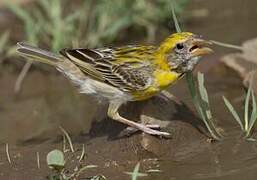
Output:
[[61, 63], [37, 54]]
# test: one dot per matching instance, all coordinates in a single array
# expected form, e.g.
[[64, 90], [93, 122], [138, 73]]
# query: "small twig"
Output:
[[64, 144], [82, 153], [7, 153], [38, 160], [21, 77], [68, 138]]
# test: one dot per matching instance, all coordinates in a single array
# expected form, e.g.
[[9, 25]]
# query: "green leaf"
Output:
[[233, 112], [55, 159]]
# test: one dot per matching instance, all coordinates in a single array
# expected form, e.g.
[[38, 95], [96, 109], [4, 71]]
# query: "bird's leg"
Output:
[[114, 114]]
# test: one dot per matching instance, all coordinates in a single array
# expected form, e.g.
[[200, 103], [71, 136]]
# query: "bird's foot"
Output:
[[148, 129]]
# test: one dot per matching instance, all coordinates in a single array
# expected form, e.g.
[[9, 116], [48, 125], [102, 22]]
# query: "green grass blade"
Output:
[[204, 96], [32, 31], [246, 114], [178, 29], [197, 104], [45, 5], [233, 112], [253, 117], [191, 85], [4, 38], [116, 27], [203, 91], [135, 174], [20, 12], [206, 122], [204, 103]]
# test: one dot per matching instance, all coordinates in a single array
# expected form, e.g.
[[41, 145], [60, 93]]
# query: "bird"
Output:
[[126, 73]]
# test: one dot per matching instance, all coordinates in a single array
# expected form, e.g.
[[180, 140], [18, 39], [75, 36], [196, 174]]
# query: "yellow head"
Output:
[[182, 50]]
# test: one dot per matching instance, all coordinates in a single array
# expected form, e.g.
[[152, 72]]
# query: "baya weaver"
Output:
[[128, 73]]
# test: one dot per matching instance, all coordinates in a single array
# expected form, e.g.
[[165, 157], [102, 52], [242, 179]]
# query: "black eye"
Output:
[[179, 46]]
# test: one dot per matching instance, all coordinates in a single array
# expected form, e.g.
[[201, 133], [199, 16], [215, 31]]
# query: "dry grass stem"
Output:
[[21, 77], [38, 161], [68, 138], [82, 153], [7, 153]]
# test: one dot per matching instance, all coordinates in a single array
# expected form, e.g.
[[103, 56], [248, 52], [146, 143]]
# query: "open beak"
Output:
[[200, 47]]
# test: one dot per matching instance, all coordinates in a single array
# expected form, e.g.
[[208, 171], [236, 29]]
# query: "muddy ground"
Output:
[[30, 120]]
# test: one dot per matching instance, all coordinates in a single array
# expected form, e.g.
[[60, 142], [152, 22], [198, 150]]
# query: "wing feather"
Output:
[[126, 68]]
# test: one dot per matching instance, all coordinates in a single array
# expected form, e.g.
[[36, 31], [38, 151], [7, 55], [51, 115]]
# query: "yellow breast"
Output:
[[165, 78], [162, 78]]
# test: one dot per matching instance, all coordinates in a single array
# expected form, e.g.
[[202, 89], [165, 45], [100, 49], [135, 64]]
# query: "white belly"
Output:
[[90, 86]]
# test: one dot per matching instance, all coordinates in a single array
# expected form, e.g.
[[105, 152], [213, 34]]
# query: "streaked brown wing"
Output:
[[107, 65]]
